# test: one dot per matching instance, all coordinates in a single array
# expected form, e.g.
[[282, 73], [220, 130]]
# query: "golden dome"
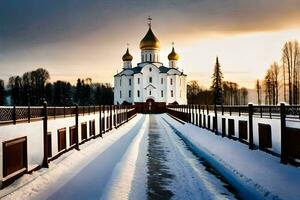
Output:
[[127, 56], [173, 55], [150, 41]]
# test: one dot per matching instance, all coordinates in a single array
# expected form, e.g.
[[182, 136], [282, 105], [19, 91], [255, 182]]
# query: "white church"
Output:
[[150, 85]]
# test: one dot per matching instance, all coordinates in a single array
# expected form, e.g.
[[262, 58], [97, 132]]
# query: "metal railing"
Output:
[[289, 136]]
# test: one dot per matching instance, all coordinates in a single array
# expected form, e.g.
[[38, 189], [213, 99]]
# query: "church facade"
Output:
[[150, 85]]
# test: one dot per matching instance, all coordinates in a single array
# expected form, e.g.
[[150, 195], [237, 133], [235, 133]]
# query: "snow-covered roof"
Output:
[[138, 69]]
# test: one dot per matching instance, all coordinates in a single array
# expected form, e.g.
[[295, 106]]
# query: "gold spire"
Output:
[[173, 55], [127, 56], [150, 41]]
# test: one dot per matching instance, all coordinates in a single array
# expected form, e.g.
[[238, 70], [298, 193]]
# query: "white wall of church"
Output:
[[123, 90]]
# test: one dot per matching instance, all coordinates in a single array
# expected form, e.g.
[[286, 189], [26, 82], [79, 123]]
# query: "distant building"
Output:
[[150, 83]]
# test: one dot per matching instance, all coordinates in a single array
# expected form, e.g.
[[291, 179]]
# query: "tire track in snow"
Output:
[[159, 176]]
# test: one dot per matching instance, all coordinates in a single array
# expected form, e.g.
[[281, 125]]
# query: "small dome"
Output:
[[127, 56], [173, 55], [150, 41]]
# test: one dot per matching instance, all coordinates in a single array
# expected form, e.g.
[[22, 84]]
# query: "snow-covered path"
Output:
[[90, 182], [175, 172]]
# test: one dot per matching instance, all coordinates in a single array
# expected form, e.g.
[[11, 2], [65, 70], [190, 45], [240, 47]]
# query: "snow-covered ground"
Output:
[[192, 179], [256, 174], [155, 156], [78, 174]]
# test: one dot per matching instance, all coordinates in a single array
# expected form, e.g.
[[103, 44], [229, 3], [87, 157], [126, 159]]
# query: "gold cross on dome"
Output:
[[149, 21]]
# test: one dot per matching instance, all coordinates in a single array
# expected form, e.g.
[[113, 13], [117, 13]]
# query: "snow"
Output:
[[101, 153], [191, 177], [129, 178], [258, 175], [116, 166]]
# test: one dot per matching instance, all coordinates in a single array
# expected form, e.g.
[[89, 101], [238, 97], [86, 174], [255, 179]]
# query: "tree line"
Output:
[[33, 88], [282, 81], [221, 92]]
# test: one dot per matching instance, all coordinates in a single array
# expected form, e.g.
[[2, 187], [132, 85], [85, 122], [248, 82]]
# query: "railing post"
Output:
[[126, 113], [115, 123], [100, 121], [222, 109], [283, 156], [110, 116], [45, 138], [200, 118], [28, 113], [54, 112], [250, 114], [76, 127], [14, 115], [193, 114], [216, 120]]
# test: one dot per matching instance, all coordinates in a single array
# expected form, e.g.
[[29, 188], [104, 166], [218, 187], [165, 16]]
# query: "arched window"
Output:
[[138, 93], [150, 79], [150, 57], [171, 81]]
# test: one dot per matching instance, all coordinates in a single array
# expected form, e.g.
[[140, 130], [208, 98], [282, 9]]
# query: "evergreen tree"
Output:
[[49, 93], [217, 84], [2, 93]]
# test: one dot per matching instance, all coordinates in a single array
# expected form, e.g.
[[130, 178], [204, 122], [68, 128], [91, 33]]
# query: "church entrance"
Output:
[[150, 106]]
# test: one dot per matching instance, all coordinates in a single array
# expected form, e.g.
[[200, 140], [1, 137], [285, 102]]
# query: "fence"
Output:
[[33, 136], [273, 129]]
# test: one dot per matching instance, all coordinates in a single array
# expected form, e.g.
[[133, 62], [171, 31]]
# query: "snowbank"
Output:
[[256, 174]]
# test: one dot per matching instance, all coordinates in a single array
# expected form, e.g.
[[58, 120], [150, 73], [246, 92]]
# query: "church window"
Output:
[[150, 69], [150, 79], [138, 93], [162, 93], [150, 57], [130, 81], [172, 94], [129, 93], [162, 81], [171, 81], [120, 94], [138, 80], [149, 92], [120, 82]]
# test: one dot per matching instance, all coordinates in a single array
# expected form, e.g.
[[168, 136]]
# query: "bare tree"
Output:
[[258, 91], [290, 59], [244, 95], [275, 79]]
